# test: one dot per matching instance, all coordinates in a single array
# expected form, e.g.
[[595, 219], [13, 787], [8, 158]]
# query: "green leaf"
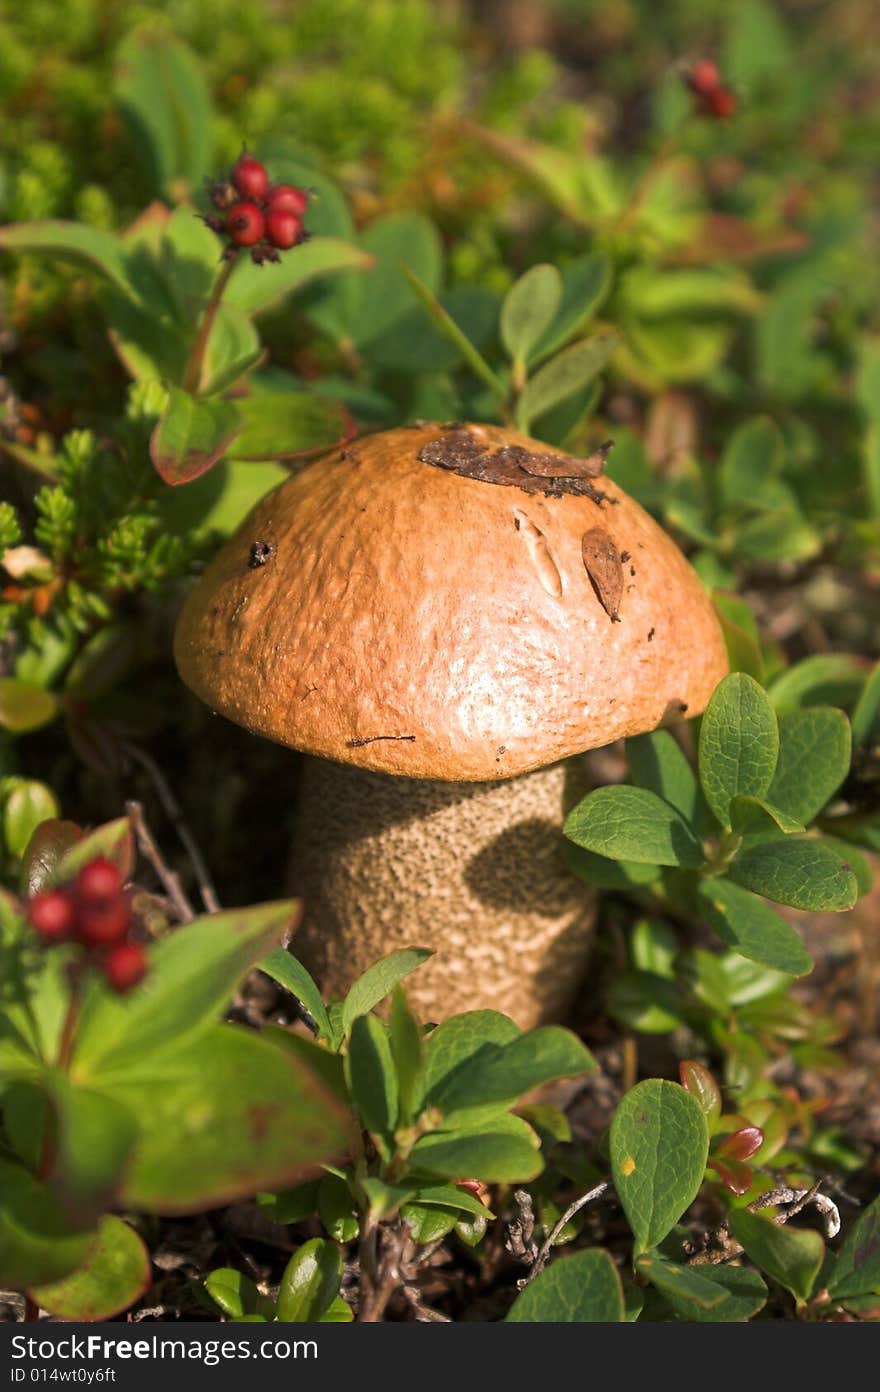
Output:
[[290, 973], [501, 1073], [657, 762], [227, 1113], [234, 1293], [162, 92], [699, 1082], [49, 842], [428, 1224], [190, 978], [291, 1205], [706, 1293], [310, 1282], [581, 1289], [254, 289], [798, 871], [562, 376], [115, 1274], [505, 1151], [25, 706], [831, 679], [750, 457], [748, 925], [458, 1040], [407, 1051], [275, 424], [607, 874], [814, 755], [114, 841], [72, 241], [866, 716], [585, 283], [450, 330], [659, 1144], [645, 1002], [739, 744], [325, 1065], [857, 1269], [633, 824], [379, 980], [792, 1256], [452, 1196], [338, 1312], [753, 816], [191, 435], [369, 1070], [742, 643], [233, 348], [37, 1242], [27, 805], [336, 1208], [397, 241], [93, 1140], [529, 308]]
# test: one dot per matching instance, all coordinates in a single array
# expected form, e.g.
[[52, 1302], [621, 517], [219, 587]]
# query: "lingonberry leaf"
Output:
[[49, 842], [407, 1049], [698, 1081], [379, 980], [25, 706], [686, 1288], [799, 871], [580, 1289], [115, 1274], [191, 435], [336, 1208], [734, 1174], [741, 1144], [792, 1256], [857, 1269], [371, 1077], [447, 326], [505, 1150], [828, 679], [235, 1294], [529, 308], [310, 1282], [498, 1074], [866, 716], [290, 973], [746, 923], [458, 1040], [26, 804], [814, 755], [712, 1294], [739, 744], [754, 816], [114, 841], [607, 874], [94, 1138], [452, 1196], [633, 824], [656, 762], [659, 1143], [575, 367]]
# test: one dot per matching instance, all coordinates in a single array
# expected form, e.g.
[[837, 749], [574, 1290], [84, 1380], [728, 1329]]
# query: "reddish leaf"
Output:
[[742, 1144], [736, 1176], [699, 1082]]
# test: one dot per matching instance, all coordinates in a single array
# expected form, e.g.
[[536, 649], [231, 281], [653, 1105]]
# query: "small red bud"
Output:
[[250, 177], [245, 224], [97, 881], [283, 229], [124, 966], [720, 104], [742, 1144], [51, 915], [287, 198]]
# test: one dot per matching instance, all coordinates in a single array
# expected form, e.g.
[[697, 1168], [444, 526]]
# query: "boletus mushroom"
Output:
[[440, 617]]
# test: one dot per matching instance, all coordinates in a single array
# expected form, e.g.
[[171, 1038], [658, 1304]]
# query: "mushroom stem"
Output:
[[472, 870]]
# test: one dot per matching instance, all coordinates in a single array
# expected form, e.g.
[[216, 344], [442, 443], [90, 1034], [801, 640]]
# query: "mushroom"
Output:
[[440, 617]]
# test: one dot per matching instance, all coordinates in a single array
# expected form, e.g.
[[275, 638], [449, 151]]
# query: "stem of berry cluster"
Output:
[[193, 371], [68, 1029]]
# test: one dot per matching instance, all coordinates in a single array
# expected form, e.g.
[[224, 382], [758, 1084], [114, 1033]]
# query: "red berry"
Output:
[[124, 966], [720, 105], [51, 915], [97, 881], [283, 229], [100, 924], [245, 224], [286, 198], [703, 77], [250, 177]]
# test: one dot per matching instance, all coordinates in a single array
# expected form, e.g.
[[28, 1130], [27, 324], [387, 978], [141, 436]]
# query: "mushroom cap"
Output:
[[399, 615]]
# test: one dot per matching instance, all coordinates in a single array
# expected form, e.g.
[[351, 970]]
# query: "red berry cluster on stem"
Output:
[[712, 97], [94, 912], [265, 218]]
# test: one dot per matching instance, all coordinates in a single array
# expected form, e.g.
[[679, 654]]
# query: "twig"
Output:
[[520, 1239], [169, 878], [573, 1208], [172, 807], [797, 1199]]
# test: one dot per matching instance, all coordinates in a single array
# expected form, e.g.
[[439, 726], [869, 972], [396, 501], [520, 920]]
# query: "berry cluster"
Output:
[[711, 96], [253, 213], [95, 913]]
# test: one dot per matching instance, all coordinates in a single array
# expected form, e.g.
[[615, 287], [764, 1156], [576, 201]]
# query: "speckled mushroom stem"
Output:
[[472, 870]]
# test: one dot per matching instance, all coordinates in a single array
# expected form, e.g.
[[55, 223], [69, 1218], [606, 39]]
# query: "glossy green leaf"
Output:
[[829, 679], [529, 309], [750, 457], [645, 1002], [563, 375], [747, 924], [657, 762], [94, 1137], [699, 1082], [379, 980], [633, 824], [227, 1113], [814, 755], [581, 1289], [191, 976], [72, 241], [408, 1051], [739, 744], [310, 1282], [322, 1062], [428, 1224], [257, 288], [372, 1080], [585, 282], [501, 1073], [24, 706], [706, 1293], [290, 973], [452, 1196], [38, 1244], [276, 424], [458, 1040], [234, 1293], [866, 716], [659, 1144], [753, 816], [26, 805], [115, 1274], [191, 436], [792, 1256], [336, 1208], [291, 1205], [799, 871], [607, 874], [113, 840], [504, 1151], [162, 91], [857, 1269]]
